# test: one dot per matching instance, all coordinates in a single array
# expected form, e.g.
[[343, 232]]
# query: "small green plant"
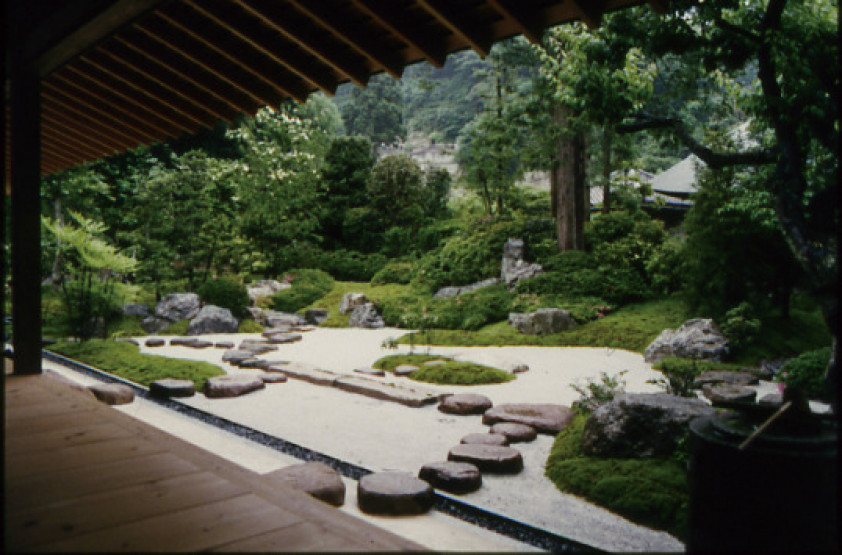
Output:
[[249, 326], [680, 373], [308, 286], [225, 293], [596, 393], [389, 343], [176, 328], [807, 371], [740, 326]]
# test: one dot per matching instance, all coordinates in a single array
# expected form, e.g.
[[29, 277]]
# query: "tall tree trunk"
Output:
[[607, 139], [567, 185]]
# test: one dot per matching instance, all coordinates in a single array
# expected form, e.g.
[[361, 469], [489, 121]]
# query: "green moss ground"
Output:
[[452, 372], [125, 360], [651, 492]]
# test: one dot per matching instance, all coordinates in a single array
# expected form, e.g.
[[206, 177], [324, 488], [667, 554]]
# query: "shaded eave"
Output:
[[119, 74]]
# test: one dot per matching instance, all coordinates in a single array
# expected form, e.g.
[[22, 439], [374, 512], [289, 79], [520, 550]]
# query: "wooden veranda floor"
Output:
[[81, 476]]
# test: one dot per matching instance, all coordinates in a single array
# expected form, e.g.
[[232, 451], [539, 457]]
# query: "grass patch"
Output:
[[651, 492], [249, 326], [632, 328], [331, 300], [451, 372], [176, 328], [125, 360], [125, 326]]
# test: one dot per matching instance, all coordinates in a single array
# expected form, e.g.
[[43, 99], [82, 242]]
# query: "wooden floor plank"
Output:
[[82, 515], [42, 422], [193, 529], [304, 536], [56, 440]]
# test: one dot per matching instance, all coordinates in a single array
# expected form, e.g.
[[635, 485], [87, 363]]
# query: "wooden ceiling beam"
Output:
[[57, 130], [291, 63], [261, 98], [86, 125], [94, 92], [520, 18], [590, 11], [660, 7], [385, 16], [328, 19], [294, 31], [473, 36]]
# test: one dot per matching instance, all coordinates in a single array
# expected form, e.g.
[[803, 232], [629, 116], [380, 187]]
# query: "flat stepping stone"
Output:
[[183, 341], [232, 385], [411, 396], [305, 372], [201, 344], [485, 439], [394, 493], [488, 458], [515, 433], [465, 403], [273, 377], [405, 369], [368, 371], [224, 345], [315, 478], [236, 356], [260, 363], [435, 362], [454, 477], [113, 393], [725, 377], [274, 331], [545, 418], [282, 338], [155, 342], [773, 399], [171, 387], [520, 369], [729, 392], [257, 349], [303, 329]]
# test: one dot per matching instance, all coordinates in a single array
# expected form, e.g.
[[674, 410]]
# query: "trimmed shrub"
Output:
[[308, 286], [806, 371], [679, 375], [394, 272], [470, 311], [615, 285], [225, 293], [740, 326], [249, 326]]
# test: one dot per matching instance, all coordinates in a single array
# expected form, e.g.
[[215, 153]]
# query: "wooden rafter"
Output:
[[590, 11], [385, 16], [462, 29], [521, 18]]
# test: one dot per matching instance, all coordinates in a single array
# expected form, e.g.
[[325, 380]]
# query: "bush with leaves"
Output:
[[394, 272], [469, 311], [679, 375], [806, 371], [226, 293], [308, 286], [596, 393], [740, 326]]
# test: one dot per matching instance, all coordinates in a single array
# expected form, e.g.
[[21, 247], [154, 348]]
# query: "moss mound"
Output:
[[451, 372]]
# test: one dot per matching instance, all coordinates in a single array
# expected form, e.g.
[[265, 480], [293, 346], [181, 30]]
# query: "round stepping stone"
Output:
[[113, 393], [172, 388], [405, 369], [201, 344], [224, 345], [515, 433], [281, 338], [435, 362], [368, 371], [315, 478], [155, 342], [256, 363], [465, 403], [236, 356], [256, 349], [520, 369], [729, 392], [455, 477], [394, 493], [183, 341], [488, 458], [544, 417], [484, 439], [273, 377], [231, 385]]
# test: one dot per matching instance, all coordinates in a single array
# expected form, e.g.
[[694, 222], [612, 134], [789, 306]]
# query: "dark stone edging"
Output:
[[444, 503]]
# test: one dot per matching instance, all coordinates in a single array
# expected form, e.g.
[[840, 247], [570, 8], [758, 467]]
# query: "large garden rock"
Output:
[[514, 268], [640, 425], [265, 288], [698, 338], [141, 310], [544, 417], [151, 324], [276, 319], [213, 319], [454, 290], [729, 393], [542, 322], [315, 478], [178, 306], [316, 316], [366, 316], [113, 393], [488, 458], [455, 477], [465, 403], [232, 385], [713, 377], [394, 493], [350, 301]]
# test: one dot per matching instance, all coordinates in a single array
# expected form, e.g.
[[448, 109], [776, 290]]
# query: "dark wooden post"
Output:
[[25, 218]]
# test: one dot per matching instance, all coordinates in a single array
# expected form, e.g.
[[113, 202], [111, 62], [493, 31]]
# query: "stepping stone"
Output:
[[276, 330], [484, 439], [394, 493], [257, 340], [488, 458], [315, 478], [281, 338], [520, 369], [729, 392], [183, 341], [544, 417], [273, 377], [305, 372], [465, 403], [435, 362], [232, 385], [201, 344], [170, 387], [155, 342], [303, 329], [236, 356], [774, 399], [411, 396], [515, 433], [224, 345], [405, 369], [368, 371], [113, 393], [725, 377], [454, 477], [263, 364]]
